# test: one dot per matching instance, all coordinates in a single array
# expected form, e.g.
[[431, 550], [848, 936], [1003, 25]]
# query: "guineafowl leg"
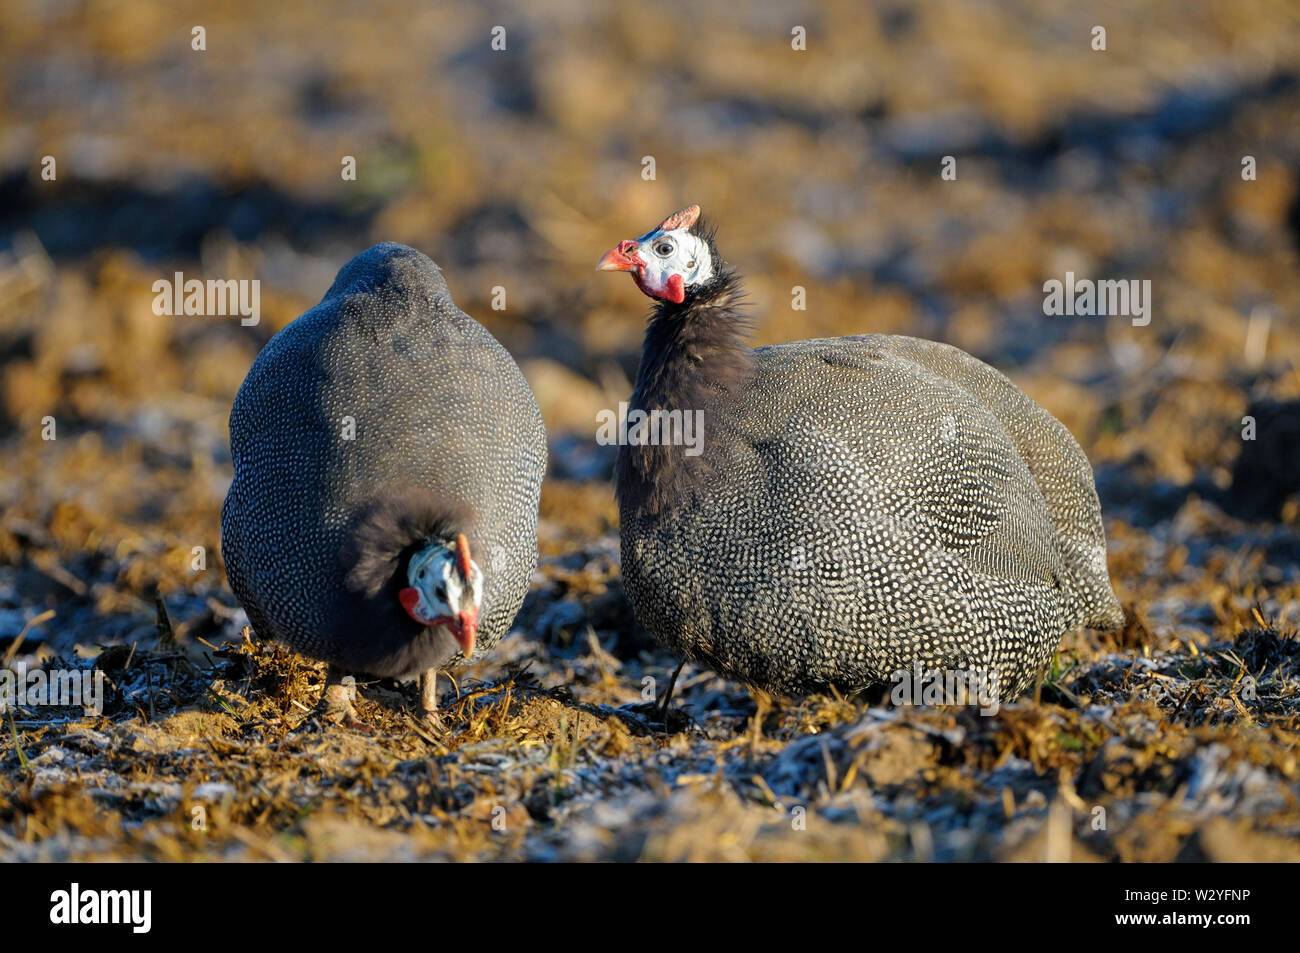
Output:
[[668, 695], [335, 703], [429, 696]]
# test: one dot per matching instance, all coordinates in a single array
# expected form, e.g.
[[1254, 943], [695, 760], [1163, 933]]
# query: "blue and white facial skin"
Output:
[[666, 261]]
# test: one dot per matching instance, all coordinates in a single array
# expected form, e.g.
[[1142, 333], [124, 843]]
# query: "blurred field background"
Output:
[[518, 169]]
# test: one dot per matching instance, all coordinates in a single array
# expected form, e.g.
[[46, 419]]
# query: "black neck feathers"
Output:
[[389, 531], [695, 360]]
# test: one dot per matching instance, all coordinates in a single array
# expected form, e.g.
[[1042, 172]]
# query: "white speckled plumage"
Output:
[[445, 424], [863, 504]]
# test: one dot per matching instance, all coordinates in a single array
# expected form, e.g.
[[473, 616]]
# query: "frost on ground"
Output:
[[1137, 748]]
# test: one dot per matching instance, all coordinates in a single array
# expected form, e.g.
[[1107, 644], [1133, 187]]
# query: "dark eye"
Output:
[[663, 248], [441, 593], [421, 574]]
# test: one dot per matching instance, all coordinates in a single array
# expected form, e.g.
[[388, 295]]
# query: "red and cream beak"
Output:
[[622, 257], [463, 629]]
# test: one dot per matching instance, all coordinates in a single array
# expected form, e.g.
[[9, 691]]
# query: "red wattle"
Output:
[[675, 290], [410, 598]]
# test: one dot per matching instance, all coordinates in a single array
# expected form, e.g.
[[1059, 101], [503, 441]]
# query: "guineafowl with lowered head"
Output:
[[859, 507], [388, 460]]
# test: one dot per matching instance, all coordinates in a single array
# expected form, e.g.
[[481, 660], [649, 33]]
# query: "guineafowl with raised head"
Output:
[[388, 458], [857, 507]]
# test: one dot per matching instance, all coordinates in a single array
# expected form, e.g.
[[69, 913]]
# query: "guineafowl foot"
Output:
[[429, 699], [335, 705]]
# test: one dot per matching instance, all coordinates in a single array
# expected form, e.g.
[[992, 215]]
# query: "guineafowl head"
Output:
[[675, 261], [408, 558], [444, 589]]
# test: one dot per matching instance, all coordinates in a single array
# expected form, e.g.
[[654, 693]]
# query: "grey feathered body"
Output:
[[383, 393], [864, 504]]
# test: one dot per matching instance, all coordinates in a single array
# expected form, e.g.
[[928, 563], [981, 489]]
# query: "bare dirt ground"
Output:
[[1175, 739]]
